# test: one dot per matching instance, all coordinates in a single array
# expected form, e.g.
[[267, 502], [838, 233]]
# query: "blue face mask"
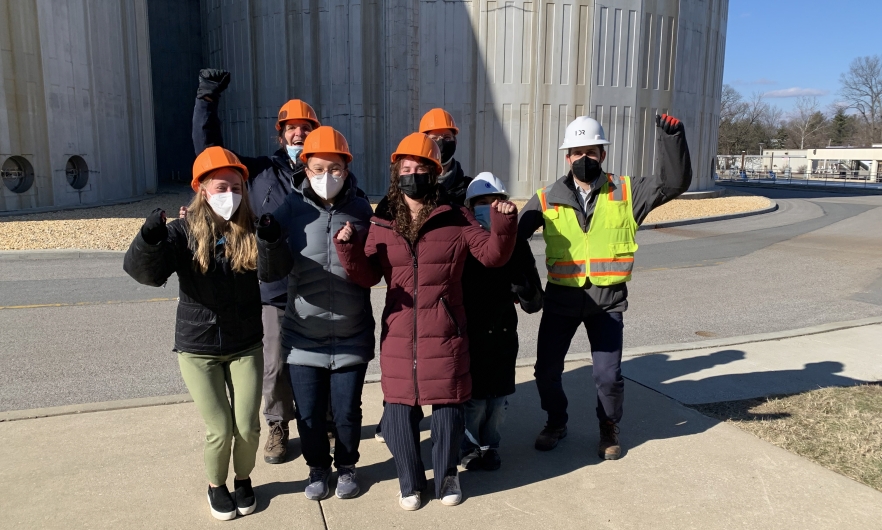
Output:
[[482, 215], [294, 152]]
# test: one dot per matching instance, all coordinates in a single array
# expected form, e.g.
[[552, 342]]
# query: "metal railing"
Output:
[[841, 178]]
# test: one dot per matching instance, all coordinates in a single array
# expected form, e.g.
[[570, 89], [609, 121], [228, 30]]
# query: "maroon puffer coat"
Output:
[[424, 352]]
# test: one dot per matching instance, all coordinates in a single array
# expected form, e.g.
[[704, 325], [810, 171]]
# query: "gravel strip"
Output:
[[113, 227]]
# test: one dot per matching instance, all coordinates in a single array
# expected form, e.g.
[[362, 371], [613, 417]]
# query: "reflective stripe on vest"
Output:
[[605, 254]]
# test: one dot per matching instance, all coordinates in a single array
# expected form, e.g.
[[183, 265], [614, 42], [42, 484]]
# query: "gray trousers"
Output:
[[277, 395]]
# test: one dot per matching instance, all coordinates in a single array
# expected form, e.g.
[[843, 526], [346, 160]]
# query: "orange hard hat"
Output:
[[437, 119], [418, 144], [296, 110], [215, 158], [325, 139]]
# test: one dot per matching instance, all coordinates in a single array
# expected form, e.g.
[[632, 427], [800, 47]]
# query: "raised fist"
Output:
[[668, 124], [268, 229], [154, 230], [212, 82]]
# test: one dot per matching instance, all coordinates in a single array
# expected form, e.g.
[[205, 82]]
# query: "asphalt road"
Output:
[[79, 330]]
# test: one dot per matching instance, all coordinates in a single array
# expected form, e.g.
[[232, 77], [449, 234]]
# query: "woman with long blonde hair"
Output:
[[218, 329]]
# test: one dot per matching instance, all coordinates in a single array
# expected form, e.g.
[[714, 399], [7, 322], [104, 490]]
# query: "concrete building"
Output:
[[76, 110], [512, 73], [96, 96]]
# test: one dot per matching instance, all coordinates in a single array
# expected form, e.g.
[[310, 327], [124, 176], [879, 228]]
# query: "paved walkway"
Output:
[[142, 467]]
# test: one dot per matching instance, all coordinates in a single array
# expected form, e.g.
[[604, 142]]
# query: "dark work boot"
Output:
[[277, 443], [549, 437], [609, 448]]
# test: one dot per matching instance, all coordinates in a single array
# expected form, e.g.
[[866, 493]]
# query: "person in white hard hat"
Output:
[[589, 219], [489, 297]]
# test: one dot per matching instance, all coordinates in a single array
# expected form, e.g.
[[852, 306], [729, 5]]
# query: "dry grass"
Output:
[[839, 428]]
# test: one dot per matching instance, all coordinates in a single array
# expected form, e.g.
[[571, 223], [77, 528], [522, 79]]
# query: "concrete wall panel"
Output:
[[513, 73], [76, 82]]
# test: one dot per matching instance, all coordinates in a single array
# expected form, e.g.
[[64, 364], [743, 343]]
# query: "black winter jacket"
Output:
[[489, 298], [647, 193], [271, 179], [218, 312]]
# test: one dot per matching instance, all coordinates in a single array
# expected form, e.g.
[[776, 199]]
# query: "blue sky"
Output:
[[788, 47]]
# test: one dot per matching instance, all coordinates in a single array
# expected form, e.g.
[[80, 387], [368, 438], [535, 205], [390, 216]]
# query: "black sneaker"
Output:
[[471, 460], [549, 437], [245, 500], [490, 460], [221, 503]]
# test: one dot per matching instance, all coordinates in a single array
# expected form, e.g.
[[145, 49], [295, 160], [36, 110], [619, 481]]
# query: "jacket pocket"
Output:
[[195, 325], [450, 316]]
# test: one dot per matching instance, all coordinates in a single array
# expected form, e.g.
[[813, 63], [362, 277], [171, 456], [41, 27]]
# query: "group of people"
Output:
[[276, 256]]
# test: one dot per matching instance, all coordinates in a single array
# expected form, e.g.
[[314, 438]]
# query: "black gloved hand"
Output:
[[212, 82], [668, 124], [154, 230], [268, 229]]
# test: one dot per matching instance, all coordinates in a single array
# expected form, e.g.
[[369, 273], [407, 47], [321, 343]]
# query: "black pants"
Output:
[[401, 428], [605, 334], [312, 389]]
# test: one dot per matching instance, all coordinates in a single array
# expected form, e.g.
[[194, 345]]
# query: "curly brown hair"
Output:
[[405, 224]]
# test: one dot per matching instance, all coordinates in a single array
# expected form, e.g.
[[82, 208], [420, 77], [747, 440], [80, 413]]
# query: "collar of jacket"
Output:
[[453, 177], [293, 174], [565, 191], [383, 217]]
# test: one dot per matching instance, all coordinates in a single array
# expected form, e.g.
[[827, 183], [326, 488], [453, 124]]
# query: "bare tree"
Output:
[[806, 119], [862, 91], [744, 123]]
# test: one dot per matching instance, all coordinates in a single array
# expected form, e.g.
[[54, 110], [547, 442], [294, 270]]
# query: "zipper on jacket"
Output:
[[268, 193], [450, 316], [416, 387], [331, 291]]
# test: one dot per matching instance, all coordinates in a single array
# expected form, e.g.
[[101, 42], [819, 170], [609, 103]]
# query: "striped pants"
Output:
[[401, 428]]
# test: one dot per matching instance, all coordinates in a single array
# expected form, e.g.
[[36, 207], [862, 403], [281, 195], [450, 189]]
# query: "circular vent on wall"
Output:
[[17, 174], [77, 172]]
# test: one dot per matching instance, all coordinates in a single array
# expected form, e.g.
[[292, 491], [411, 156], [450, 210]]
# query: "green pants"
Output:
[[208, 378]]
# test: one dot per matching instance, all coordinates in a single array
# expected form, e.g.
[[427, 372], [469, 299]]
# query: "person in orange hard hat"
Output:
[[438, 125], [328, 327], [418, 240], [273, 178], [218, 329]]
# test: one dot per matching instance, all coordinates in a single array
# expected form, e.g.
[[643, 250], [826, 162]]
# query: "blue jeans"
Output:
[[483, 418], [312, 389]]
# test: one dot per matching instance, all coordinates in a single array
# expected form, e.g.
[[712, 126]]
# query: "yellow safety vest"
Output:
[[607, 248]]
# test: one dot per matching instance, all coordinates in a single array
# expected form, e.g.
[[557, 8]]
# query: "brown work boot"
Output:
[[277, 444], [609, 448], [549, 437]]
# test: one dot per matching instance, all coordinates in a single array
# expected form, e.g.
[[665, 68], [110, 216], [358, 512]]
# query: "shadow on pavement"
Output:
[[648, 416]]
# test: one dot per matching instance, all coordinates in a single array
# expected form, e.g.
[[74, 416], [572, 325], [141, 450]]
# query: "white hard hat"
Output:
[[485, 184], [583, 131]]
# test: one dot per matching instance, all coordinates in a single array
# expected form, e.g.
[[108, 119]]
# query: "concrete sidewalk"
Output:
[[789, 365], [142, 468]]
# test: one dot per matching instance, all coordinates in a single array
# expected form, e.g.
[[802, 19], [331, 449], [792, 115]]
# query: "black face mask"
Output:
[[416, 185], [586, 169], [447, 147]]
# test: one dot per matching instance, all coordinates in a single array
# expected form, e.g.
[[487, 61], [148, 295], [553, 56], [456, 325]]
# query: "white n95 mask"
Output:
[[225, 204], [326, 186]]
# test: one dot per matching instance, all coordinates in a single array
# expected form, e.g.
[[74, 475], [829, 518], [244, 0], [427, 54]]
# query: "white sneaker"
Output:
[[410, 503], [451, 493]]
